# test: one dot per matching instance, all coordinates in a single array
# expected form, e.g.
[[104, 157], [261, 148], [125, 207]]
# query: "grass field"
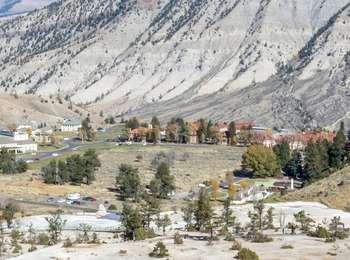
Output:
[[191, 165]]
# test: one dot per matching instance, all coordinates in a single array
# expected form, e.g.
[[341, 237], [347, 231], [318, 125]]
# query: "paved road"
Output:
[[69, 146]]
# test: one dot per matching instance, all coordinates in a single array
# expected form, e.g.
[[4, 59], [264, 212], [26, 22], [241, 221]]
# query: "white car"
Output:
[[29, 161], [73, 196], [54, 154], [61, 200]]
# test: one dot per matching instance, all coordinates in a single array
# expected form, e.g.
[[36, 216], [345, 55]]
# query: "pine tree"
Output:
[[155, 122], [149, 208], [294, 167], [336, 150], [282, 152], [231, 133], [131, 220], [159, 250], [56, 224], [203, 211], [128, 181], [228, 218], [163, 183], [316, 161]]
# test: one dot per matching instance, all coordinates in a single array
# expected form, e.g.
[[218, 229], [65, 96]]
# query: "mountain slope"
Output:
[[278, 62], [15, 7]]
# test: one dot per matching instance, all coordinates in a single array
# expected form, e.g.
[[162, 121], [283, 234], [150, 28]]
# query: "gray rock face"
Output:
[[278, 62]]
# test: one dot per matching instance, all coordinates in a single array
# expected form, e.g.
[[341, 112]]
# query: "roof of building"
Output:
[[71, 121], [7, 140]]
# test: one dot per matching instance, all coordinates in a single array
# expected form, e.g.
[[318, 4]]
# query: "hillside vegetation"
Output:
[[333, 191]]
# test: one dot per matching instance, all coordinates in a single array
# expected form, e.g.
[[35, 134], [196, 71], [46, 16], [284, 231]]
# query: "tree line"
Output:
[[318, 160], [75, 169], [9, 164]]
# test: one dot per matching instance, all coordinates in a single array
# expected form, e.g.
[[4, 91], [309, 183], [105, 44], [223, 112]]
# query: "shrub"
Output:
[[112, 207], [144, 233], [261, 238], [287, 246], [229, 237], [43, 239], [32, 248], [247, 254], [67, 243], [236, 245], [123, 252], [178, 239], [17, 249], [159, 250], [320, 232], [95, 239]]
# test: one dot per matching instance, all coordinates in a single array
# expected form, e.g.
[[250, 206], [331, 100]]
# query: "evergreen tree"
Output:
[[159, 251], [203, 211], [202, 130], [128, 181], [50, 174], [132, 123], [8, 213], [155, 122], [294, 167], [56, 224], [149, 208], [316, 161], [163, 183], [282, 152], [76, 168], [188, 215], [228, 218], [336, 151], [131, 220], [8, 163], [231, 133], [86, 132]]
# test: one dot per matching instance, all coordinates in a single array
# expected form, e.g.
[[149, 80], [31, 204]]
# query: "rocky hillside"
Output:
[[278, 62], [15, 7]]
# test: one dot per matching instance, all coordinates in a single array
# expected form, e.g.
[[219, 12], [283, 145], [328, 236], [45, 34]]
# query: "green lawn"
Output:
[[266, 182], [111, 132]]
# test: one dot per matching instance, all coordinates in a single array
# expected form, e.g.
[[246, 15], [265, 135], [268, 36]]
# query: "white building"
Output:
[[71, 125], [22, 146], [21, 136]]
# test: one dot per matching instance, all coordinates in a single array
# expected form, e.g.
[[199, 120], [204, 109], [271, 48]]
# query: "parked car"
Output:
[[51, 200], [76, 202], [73, 196], [61, 200], [91, 199]]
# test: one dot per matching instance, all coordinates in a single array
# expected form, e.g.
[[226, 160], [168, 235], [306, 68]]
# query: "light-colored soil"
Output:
[[304, 247], [24, 109]]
